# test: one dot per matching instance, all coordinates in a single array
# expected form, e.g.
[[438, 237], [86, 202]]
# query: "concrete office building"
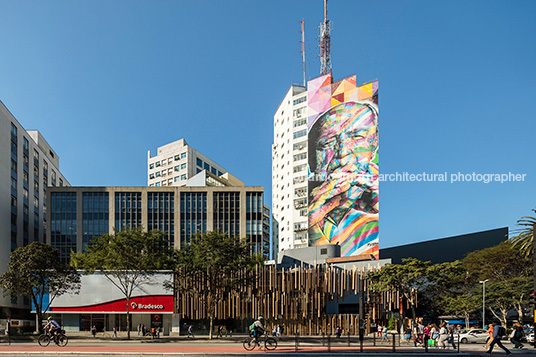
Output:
[[177, 162], [207, 202], [28, 166], [289, 172]]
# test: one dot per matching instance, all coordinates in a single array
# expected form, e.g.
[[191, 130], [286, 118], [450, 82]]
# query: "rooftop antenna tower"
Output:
[[303, 48], [325, 43]]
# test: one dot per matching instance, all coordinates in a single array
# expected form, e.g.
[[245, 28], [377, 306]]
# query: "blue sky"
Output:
[[106, 81]]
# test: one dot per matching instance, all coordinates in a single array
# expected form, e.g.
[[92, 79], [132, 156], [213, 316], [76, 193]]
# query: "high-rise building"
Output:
[[207, 202], [28, 167], [289, 172], [175, 163], [325, 173]]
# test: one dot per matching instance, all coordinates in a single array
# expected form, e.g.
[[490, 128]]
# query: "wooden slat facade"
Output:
[[295, 297]]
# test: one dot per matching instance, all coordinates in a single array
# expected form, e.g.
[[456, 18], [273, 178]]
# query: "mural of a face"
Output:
[[343, 183]]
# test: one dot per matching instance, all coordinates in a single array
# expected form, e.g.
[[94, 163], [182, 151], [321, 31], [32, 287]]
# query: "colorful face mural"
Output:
[[343, 167]]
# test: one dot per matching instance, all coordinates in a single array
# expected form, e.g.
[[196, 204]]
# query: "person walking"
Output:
[[490, 337], [451, 337], [384, 334], [139, 329], [443, 336], [191, 331], [517, 335], [380, 329], [498, 333]]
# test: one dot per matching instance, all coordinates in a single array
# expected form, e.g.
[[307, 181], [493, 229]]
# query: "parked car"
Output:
[[471, 336]]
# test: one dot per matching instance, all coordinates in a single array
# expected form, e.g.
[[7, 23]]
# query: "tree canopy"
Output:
[[35, 271], [127, 258], [219, 261]]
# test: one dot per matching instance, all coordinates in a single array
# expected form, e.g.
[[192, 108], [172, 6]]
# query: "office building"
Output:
[[177, 162], [206, 203], [28, 167]]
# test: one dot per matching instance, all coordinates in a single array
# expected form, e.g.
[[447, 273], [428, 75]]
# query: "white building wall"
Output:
[[36, 199], [177, 162], [289, 172]]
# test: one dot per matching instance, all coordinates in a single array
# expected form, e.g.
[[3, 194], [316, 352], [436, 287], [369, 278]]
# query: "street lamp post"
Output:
[[483, 282]]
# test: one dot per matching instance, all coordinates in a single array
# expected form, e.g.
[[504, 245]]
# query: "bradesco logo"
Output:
[[137, 306]]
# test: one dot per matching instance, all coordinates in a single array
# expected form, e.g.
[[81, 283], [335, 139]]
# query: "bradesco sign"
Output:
[[138, 304]]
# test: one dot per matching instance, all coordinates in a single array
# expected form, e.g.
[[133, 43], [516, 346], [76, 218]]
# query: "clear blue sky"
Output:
[[105, 81]]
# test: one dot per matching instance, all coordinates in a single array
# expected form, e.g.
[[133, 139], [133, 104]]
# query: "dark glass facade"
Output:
[[161, 213], [227, 212], [254, 219], [63, 217], [95, 215], [127, 210], [193, 216]]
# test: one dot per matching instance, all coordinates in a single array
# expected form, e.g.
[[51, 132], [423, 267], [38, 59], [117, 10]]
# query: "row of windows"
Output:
[[167, 161], [203, 165], [299, 100]]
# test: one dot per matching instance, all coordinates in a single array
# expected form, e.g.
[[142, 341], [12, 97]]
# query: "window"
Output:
[[164, 173], [151, 176], [25, 209], [157, 174], [13, 165], [13, 201], [299, 157], [219, 173], [36, 171], [170, 181], [36, 202], [36, 155], [177, 157], [183, 177], [300, 122], [199, 162], [298, 113], [213, 170], [151, 166], [300, 146], [13, 129], [170, 171], [25, 176], [13, 183], [300, 133], [164, 162], [26, 144], [170, 160], [61, 183], [151, 185], [177, 168], [25, 159], [183, 166], [300, 168], [183, 155], [157, 164], [299, 100], [36, 186], [157, 184]]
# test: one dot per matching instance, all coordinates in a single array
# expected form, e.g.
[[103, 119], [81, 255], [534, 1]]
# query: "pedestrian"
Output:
[[443, 336], [407, 335], [434, 335], [115, 332], [498, 333], [220, 331], [158, 330], [94, 331], [338, 332], [278, 333], [191, 331], [380, 329], [517, 335], [139, 329], [490, 337], [451, 337], [384, 334], [274, 331]]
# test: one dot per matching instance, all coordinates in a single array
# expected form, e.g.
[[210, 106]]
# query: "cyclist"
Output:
[[258, 328], [53, 326]]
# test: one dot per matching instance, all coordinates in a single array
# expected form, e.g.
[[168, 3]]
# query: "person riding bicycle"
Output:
[[53, 326], [258, 328]]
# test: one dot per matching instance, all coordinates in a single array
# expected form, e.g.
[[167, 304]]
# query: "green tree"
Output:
[[523, 238], [35, 271], [211, 266], [408, 278], [509, 274], [127, 258]]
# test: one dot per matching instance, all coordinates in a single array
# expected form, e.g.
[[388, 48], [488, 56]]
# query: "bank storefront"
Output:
[[101, 304]]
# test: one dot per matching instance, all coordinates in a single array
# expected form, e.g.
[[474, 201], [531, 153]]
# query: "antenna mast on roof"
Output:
[[325, 43], [303, 48]]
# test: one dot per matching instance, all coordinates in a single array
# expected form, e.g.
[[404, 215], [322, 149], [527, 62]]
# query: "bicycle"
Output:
[[270, 343], [59, 339]]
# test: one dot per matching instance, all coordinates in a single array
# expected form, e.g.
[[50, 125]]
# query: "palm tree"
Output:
[[524, 235]]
